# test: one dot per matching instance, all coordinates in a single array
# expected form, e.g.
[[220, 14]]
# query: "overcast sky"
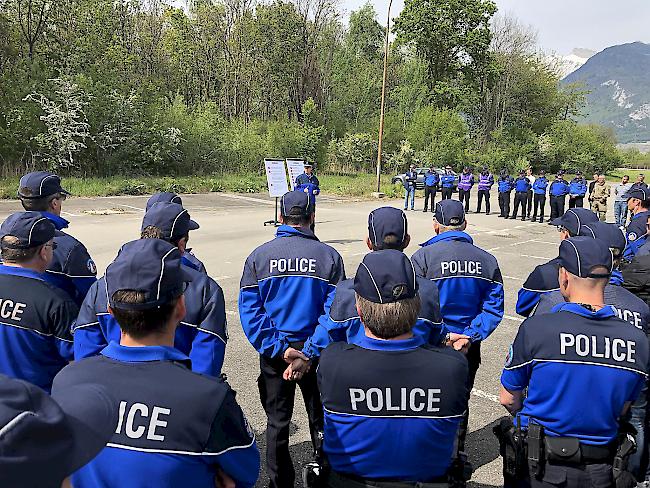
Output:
[[563, 24]]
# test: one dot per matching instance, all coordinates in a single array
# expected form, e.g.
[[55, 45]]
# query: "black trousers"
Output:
[[473, 363], [557, 206], [529, 203], [576, 202], [581, 476], [483, 194], [430, 193], [446, 193], [277, 396], [504, 203], [540, 203], [463, 196], [521, 197]]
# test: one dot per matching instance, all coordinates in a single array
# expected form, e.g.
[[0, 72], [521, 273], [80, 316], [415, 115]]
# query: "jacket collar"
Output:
[[381, 345], [144, 354], [604, 313], [25, 272], [59, 222], [288, 231], [616, 279], [452, 235]]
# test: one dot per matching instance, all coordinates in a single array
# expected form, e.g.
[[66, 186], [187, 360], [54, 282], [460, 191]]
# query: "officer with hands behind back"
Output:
[[189, 259], [522, 186], [392, 415], [505, 185], [287, 284], [36, 315], [543, 279], [468, 279], [447, 183], [557, 192], [201, 334], [582, 367], [175, 427], [431, 180], [485, 183], [539, 196], [577, 190], [72, 269], [387, 229]]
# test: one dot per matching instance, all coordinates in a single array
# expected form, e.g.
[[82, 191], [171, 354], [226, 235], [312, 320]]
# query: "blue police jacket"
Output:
[[469, 282], [628, 307], [286, 285], [522, 184], [201, 335], [505, 184], [378, 395], [175, 427], [342, 321], [540, 185], [573, 361], [72, 269], [543, 279], [305, 179], [637, 226], [447, 180], [35, 329], [431, 179], [578, 187], [635, 248], [559, 188], [189, 259]]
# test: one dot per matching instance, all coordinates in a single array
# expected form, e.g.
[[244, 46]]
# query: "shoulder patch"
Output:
[[91, 266], [632, 236], [509, 356]]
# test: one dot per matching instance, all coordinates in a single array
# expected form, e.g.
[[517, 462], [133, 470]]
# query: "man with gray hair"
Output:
[[468, 278], [391, 382]]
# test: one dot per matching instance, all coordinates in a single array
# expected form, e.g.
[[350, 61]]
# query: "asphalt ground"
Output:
[[232, 226]]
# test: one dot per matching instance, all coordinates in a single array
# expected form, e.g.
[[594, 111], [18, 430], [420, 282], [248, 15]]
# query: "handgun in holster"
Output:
[[626, 447], [314, 473], [512, 449], [461, 471]]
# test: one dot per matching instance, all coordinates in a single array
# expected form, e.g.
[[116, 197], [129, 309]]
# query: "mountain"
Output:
[[565, 65], [618, 79]]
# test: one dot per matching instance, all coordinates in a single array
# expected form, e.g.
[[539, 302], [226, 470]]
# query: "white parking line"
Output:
[[511, 244], [514, 319], [487, 396], [129, 206], [70, 214]]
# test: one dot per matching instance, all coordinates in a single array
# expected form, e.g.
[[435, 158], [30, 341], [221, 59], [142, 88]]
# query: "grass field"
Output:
[[349, 185]]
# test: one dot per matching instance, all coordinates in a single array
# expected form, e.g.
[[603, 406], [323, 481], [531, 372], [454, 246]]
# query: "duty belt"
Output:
[[339, 480]]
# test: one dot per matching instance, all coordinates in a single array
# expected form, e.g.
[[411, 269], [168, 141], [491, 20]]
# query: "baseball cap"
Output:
[[574, 218], [45, 439], [610, 234], [295, 201], [384, 221], [163, 197], [30, 228], [580, 255], [171, 218], [40, 184], [386, 276], [308, 165], [638, 192], [542, 172], [151, 266], [449, 212]]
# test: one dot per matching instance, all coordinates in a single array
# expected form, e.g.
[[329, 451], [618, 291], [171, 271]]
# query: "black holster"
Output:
[[626, 447], [513, 451], [315, 473], [460, 471], [536, 451]]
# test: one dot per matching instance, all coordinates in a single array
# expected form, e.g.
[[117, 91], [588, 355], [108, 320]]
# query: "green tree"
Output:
[[439, 137]]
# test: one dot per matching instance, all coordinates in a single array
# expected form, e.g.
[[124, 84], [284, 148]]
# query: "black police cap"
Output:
[[386, 276]]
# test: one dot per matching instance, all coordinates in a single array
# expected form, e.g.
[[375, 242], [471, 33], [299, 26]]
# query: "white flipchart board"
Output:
[[296, 167], [276, 177]]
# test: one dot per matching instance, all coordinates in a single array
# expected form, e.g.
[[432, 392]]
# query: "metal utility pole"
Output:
[[383, 101]]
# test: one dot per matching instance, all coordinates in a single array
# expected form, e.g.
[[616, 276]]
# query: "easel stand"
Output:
[[274, 222]]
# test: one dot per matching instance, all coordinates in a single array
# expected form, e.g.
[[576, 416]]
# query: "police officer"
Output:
[[600, 363], [640, 182], [410, 178], [447, 183], [387, 229], [485, 183], [175, 427], [390, 382], [201, 334], [638, 203], [539, 196], [505, 185], [459, 268], [465, 185], [189, 259], [36, 316], [522, 186], [308, 182], [72, 268], [557, 193], [529, 202], [431, 180], [286, 285], [577, 190], [45, 439], [627, 306], [543, 278]]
